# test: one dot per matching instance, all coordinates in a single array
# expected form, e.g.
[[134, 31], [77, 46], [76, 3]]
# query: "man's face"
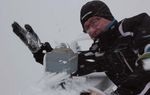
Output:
[[95, 25]]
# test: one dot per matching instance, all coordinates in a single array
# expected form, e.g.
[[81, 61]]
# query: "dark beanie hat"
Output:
[[94, 8]]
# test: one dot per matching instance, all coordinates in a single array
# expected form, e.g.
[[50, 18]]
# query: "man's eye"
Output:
[[94, 21]]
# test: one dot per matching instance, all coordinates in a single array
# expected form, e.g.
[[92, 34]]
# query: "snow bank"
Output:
[[60, 84]]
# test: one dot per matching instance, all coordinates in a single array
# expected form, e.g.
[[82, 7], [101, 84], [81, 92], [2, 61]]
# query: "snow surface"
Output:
[[49, 84]]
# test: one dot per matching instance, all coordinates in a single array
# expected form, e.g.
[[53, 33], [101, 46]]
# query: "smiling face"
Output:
[[95, 25]]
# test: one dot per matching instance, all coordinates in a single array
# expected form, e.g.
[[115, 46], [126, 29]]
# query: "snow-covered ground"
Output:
[[62, 84]]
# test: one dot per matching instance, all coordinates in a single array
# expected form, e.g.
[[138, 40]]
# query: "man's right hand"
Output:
[[39, 55], [27, 36], [32, 41]]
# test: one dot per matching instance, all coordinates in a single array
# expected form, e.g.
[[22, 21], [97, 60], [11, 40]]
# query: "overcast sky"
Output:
[[54, 21]]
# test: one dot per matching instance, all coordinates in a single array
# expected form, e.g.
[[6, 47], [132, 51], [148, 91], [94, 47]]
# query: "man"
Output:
[[116, 48], [119, 48]]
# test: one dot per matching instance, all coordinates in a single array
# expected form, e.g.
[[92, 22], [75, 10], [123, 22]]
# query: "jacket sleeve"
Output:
[[88, 63], [139, 28]]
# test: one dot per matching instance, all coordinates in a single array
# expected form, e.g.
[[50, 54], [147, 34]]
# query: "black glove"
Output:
[[40, 53], [31, 39], [28, 36]]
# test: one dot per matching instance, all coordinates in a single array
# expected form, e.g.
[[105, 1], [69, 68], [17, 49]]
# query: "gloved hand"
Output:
[[32, 41], [28, 36], [39, 55]]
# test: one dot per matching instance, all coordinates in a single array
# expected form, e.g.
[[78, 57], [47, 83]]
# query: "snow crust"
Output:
[[61, 84]]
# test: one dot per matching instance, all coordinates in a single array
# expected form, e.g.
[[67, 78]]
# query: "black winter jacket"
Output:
[[116, 51]]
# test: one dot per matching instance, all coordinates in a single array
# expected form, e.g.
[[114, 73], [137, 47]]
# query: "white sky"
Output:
[[54, 21]]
